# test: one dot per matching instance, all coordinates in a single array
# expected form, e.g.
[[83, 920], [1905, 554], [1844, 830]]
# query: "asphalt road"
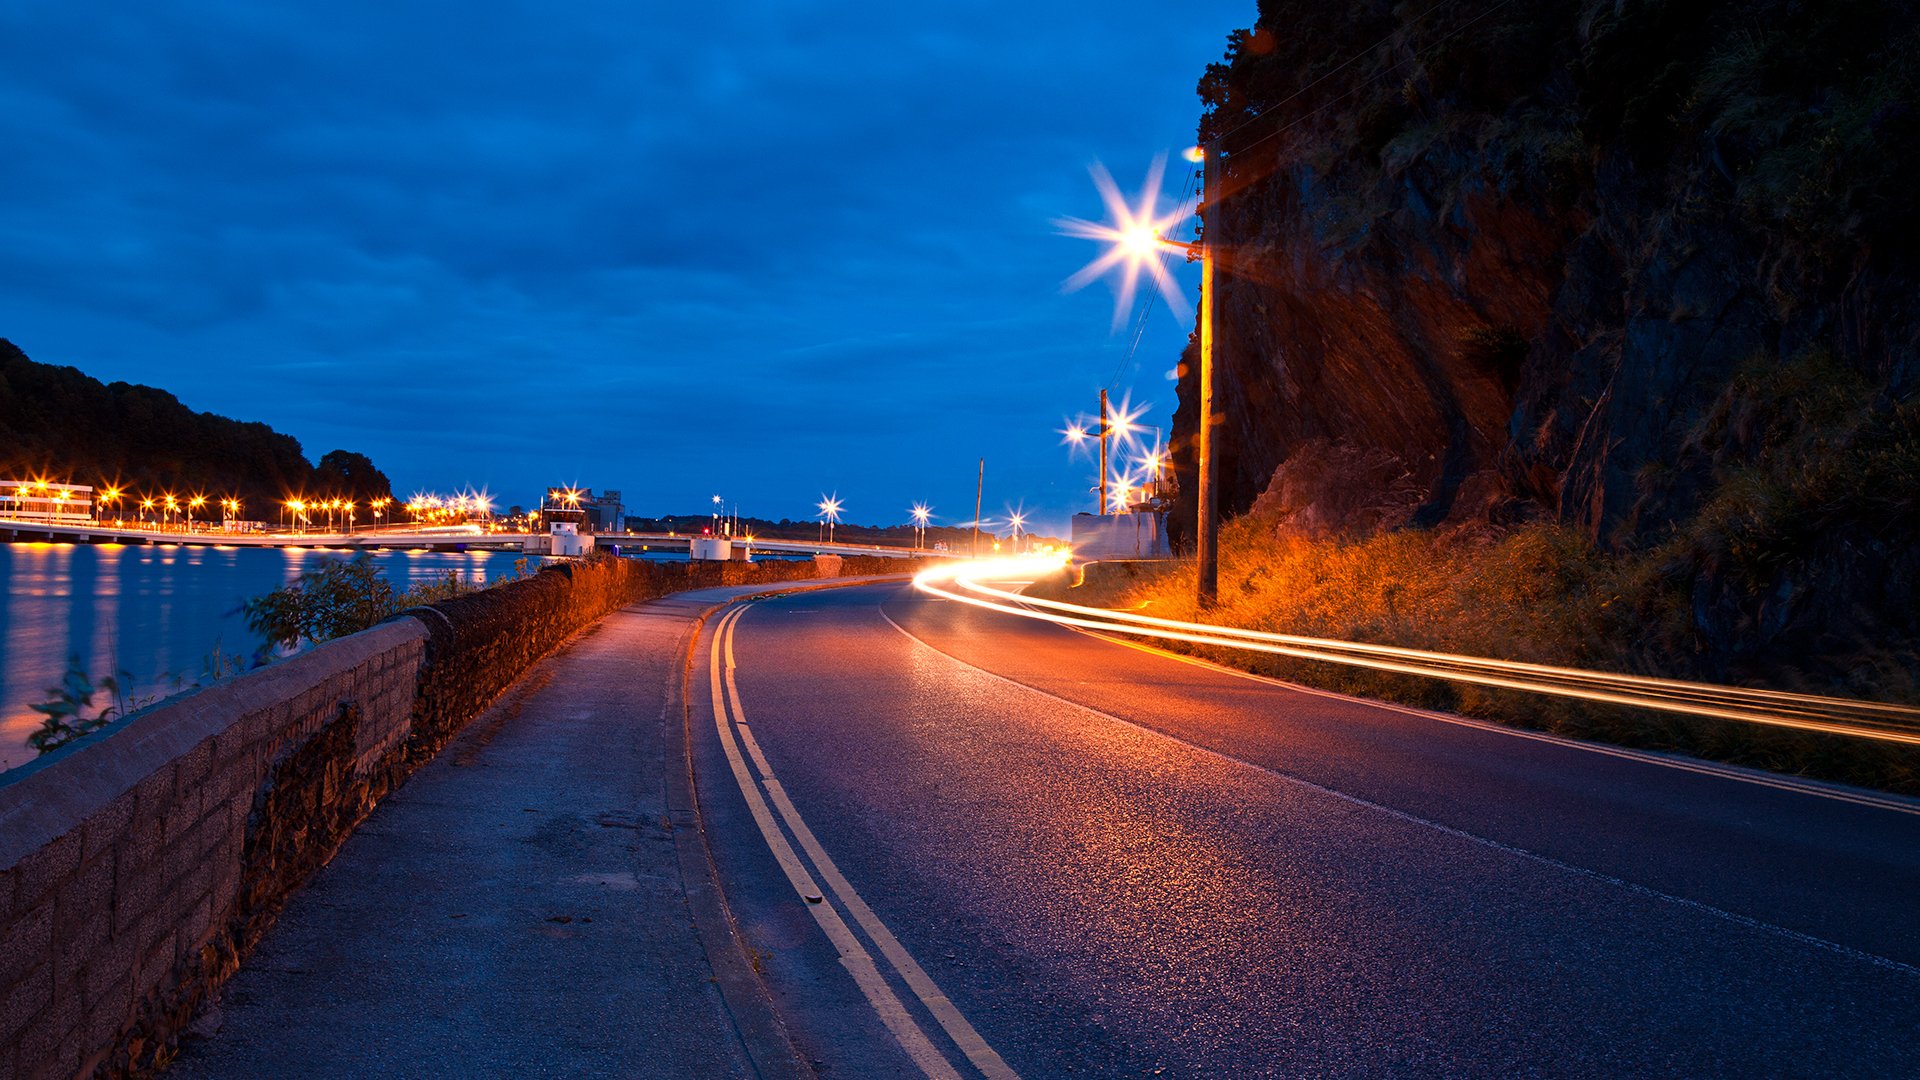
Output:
[[1040, 853]]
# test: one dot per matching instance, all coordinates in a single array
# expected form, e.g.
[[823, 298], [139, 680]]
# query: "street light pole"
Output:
[[1207, 523], [979, 488], [1104, 428]]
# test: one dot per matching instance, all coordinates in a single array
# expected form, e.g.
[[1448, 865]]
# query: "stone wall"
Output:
[[139, 866]]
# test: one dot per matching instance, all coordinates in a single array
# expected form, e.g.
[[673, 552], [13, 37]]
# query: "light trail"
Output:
[[1774, 708]]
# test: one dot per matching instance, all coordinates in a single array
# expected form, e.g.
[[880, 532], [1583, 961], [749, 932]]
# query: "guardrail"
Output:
[[1775, 708]]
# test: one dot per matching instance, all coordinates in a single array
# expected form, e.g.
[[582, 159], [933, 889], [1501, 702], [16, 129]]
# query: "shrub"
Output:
[[337, 598]]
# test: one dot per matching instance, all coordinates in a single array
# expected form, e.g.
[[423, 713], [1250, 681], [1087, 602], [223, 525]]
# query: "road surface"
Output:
[[961, 843]]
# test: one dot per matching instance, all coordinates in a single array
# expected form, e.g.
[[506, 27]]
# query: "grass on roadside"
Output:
[[1538, 594]]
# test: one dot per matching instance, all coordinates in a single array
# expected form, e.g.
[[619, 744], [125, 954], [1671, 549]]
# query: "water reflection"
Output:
[[154, 612]]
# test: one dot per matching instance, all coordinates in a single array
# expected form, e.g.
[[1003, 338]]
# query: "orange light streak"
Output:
[[1805, 712]]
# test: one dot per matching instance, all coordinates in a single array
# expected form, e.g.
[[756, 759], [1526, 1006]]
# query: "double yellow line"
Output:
[[827, 894]]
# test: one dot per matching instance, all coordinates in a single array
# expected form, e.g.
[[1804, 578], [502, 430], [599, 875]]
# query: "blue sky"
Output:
[[768, 250]]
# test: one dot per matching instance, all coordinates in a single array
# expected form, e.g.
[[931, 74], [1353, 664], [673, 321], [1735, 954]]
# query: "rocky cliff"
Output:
[[1643, 267]]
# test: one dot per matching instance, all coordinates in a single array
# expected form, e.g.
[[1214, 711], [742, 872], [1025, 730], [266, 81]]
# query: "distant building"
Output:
[[602, 513], [40, 500], [606, 513]]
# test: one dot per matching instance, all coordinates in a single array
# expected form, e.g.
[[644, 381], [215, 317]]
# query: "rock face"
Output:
[[1491, 265]]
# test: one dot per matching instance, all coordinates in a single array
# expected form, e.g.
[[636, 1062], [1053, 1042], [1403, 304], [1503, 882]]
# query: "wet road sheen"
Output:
[[1118, 864]]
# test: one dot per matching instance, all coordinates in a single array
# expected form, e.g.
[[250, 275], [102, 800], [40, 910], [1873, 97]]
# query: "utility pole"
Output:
[[979, 488], [1102, 508], [1206, 530]]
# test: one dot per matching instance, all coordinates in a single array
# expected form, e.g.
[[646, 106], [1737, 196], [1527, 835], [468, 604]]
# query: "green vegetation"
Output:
[[69, 710], [340, 597], [1799, 117]]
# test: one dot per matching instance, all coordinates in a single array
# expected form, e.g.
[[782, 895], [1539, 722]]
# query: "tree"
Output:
[[353, 475]]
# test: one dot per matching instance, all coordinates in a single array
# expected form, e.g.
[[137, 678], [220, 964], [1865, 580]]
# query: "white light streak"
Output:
[[1803, 712]]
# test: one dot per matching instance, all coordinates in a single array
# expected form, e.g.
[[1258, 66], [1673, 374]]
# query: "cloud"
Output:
[[518, 239]]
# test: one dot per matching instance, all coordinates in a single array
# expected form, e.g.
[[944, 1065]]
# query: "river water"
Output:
[[154, 612]]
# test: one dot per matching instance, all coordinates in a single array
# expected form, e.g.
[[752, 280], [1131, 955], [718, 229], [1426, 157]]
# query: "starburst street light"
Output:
[[829, 507], [921, 514], [1018, 520], [1138, 240]]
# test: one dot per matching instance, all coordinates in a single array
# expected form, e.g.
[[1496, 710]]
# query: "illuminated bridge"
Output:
[[451, 538]]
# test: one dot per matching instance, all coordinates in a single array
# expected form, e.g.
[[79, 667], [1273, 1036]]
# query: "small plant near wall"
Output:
[[336, 598], [69, 709]]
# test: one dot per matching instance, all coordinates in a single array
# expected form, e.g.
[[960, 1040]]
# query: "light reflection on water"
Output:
[[154, 611]]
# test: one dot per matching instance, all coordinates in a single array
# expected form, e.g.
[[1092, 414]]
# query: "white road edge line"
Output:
[[1646, 891], [956, 1026], [1795, 784], [854, 956]]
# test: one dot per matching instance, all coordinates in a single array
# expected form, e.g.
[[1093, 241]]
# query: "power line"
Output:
[[1146, 310], [1390, 69], [1344, 65]]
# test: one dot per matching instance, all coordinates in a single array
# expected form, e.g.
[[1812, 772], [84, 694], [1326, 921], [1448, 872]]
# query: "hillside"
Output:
[[60, 423], [1639, 269]]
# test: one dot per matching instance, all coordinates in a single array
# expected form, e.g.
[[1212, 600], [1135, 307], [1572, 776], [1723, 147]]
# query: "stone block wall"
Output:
[[140, 865]]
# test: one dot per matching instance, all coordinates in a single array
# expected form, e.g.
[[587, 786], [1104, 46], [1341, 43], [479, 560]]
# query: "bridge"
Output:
[[18, 530]]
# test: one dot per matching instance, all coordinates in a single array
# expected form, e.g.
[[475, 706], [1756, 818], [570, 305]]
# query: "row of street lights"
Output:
[[294, 513], [166, 506], [1136, 239]]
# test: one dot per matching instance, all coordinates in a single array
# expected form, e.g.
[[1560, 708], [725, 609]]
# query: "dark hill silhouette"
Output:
[[62, 424]]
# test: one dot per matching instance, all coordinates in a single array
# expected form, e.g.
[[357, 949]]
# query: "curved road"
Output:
[[962, 843]]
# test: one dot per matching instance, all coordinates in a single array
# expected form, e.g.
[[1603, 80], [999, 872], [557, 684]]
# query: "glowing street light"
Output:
[[829, 507], [921, 514], [1136, 239], [110, 496]]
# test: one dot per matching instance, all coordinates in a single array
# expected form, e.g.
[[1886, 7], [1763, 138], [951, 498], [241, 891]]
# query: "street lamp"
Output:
[[173, 507], [193, 504], [1017, 519], [921, 513], [1136, 240], [111, 496], [830, 513]]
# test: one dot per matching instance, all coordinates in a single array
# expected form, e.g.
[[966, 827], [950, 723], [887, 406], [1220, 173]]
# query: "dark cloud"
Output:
[[767, 248]]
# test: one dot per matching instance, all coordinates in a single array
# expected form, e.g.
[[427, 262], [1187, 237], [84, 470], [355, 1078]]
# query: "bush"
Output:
[[337, 598]]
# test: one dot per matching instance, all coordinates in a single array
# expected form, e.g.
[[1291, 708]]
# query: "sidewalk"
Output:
[[519, 907]]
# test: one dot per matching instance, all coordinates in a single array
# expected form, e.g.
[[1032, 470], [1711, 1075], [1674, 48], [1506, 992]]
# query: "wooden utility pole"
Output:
[[1206, 530], [1102, 508], [979, 488]]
